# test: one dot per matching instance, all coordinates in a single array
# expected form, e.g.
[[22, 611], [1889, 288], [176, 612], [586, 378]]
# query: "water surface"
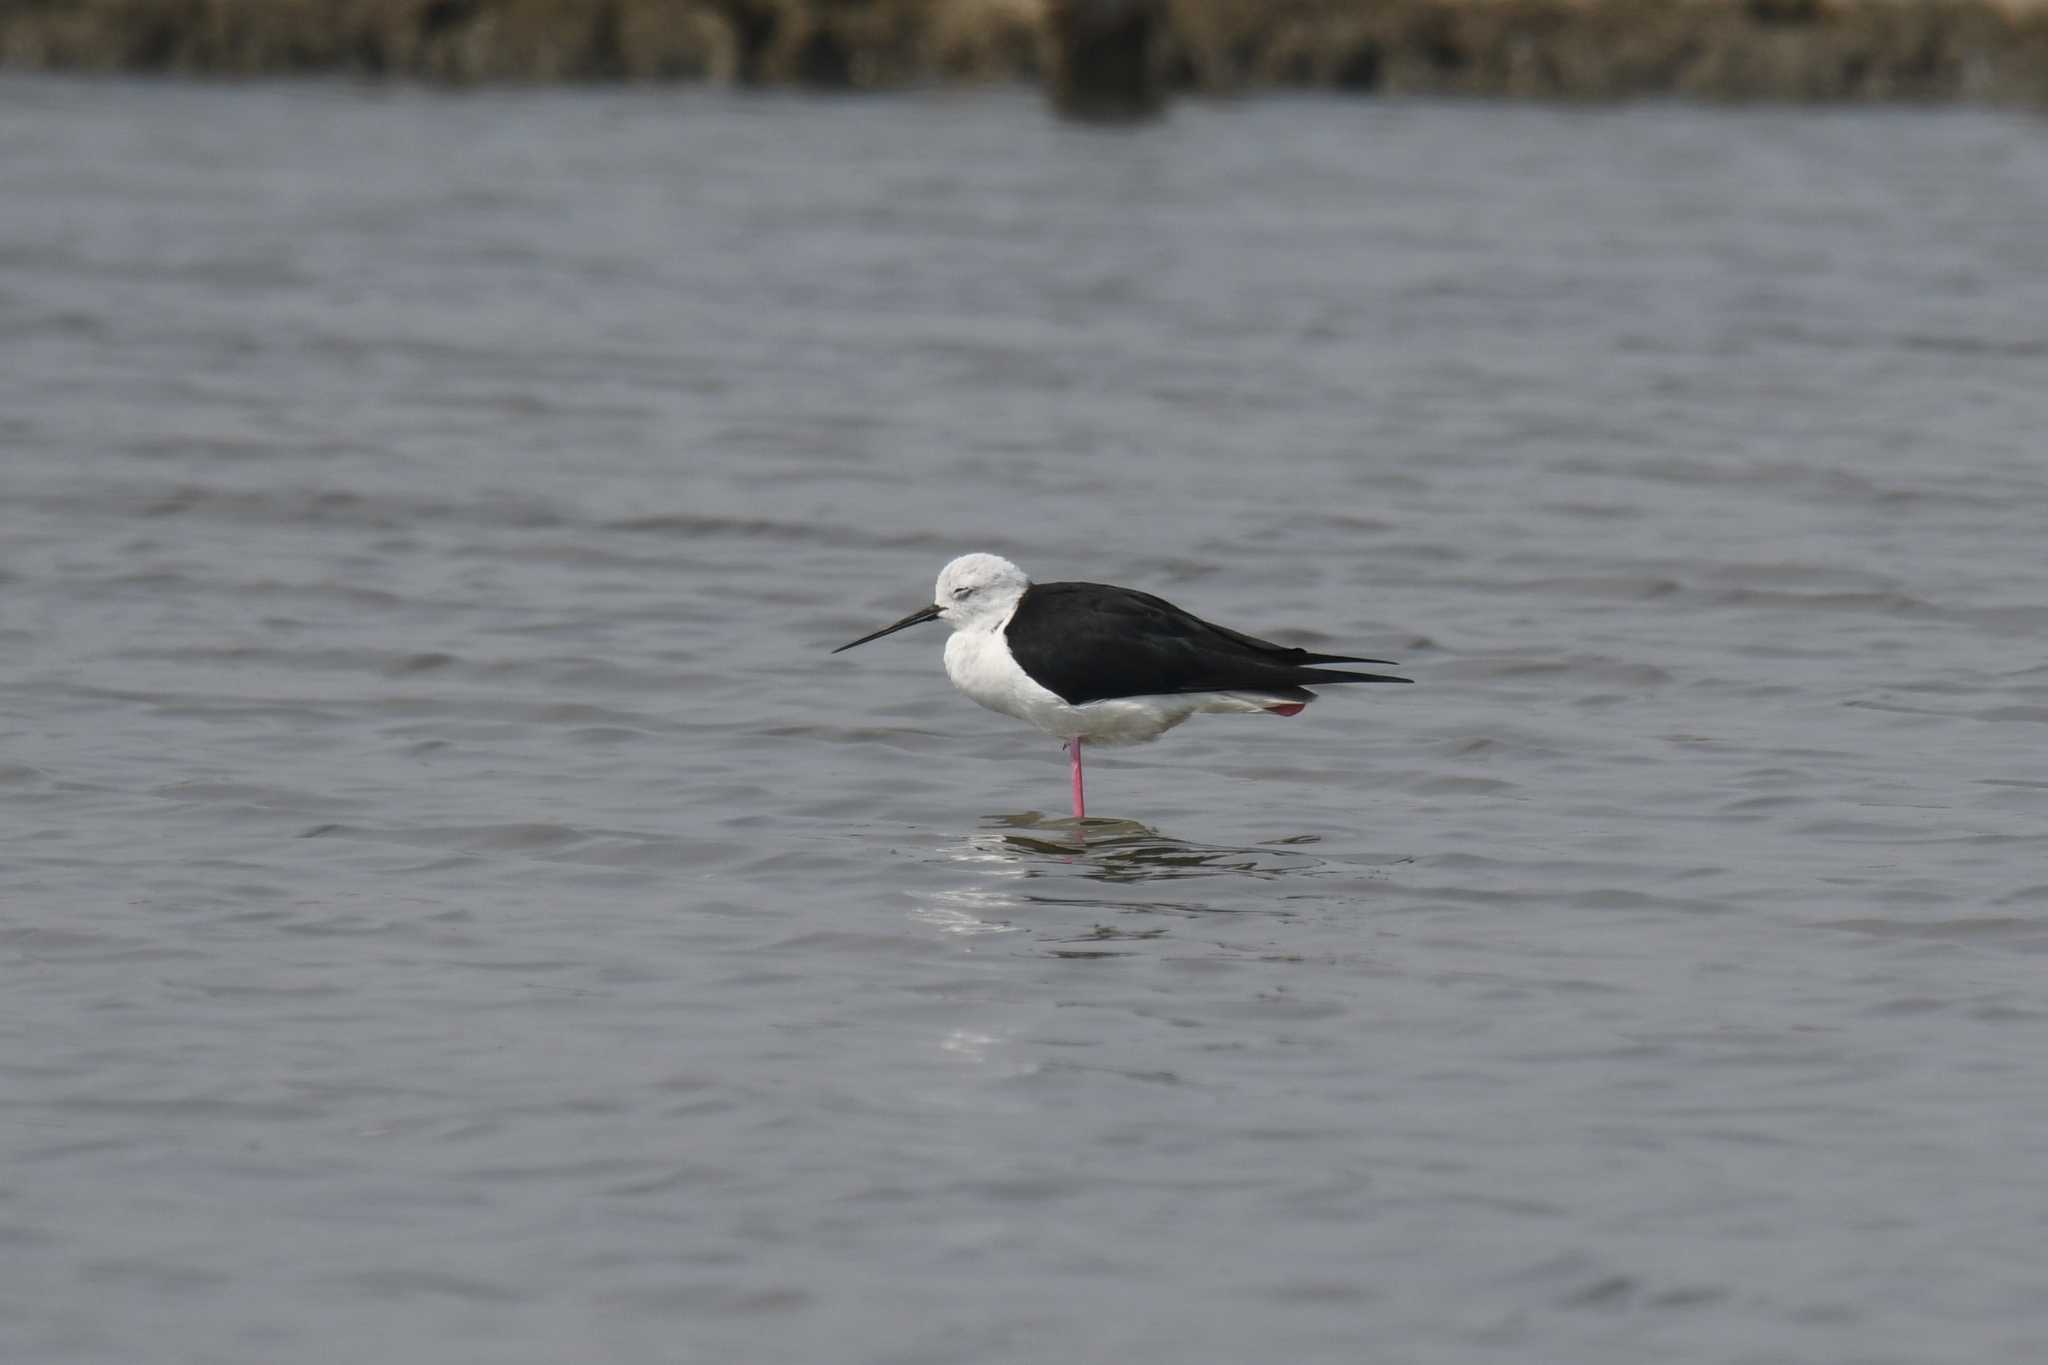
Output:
[[452, 907]]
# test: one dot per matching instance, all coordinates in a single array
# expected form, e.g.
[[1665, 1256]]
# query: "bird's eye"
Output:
[[959, 593]]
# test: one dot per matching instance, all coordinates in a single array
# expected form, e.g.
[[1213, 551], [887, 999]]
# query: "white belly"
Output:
[[980, 665]]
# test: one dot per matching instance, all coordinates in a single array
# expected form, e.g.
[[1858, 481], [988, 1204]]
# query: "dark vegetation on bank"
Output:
[[1976, 50]]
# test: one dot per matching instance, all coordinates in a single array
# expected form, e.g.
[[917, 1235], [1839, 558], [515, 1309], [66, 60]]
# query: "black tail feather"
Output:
[[1304, 657], [1310, 677]]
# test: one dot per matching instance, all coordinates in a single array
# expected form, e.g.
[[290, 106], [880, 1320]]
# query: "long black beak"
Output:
[[916, 618]]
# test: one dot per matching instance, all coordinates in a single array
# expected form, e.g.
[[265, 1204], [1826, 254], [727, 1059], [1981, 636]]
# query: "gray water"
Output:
[[452, 907]]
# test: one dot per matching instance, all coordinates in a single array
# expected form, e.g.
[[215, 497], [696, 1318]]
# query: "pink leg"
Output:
[[1080, 807]]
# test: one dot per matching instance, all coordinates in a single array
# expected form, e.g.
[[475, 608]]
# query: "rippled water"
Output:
[[453, 908]]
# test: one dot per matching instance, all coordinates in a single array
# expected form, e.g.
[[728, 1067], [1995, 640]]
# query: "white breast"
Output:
[[980, 665]]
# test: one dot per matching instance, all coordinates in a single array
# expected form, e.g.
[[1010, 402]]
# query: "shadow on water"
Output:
[[1126, 851], [1063, 882]]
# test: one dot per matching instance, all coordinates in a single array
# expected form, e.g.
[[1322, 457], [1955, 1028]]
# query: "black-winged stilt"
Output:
[[1087, 661]]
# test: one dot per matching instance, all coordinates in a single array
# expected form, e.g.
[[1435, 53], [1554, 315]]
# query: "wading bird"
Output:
[[1090, 662]]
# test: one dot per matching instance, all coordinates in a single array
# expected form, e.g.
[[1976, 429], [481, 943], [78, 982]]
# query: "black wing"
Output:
[[1090, 641]]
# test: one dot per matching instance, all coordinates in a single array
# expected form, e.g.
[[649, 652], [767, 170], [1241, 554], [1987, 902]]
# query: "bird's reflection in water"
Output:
[[1126, 851], [1071, 886]]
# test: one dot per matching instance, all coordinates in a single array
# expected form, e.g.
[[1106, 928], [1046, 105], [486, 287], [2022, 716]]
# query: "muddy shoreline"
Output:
[[1981, 51]]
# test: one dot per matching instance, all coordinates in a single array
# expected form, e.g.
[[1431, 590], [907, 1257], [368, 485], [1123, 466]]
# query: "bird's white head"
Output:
[[972, 590], [976, 588]]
